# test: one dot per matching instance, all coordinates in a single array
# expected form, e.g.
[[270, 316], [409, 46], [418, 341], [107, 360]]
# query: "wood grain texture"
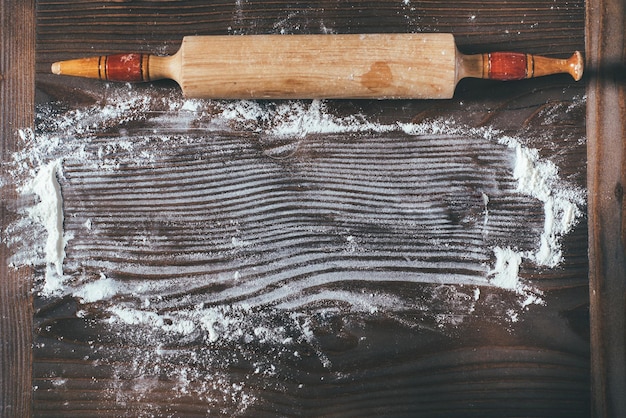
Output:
[[17, 101], [278, 234], [606, 118]]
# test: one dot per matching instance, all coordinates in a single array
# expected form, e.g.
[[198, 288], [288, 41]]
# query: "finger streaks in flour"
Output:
[[241, 221]]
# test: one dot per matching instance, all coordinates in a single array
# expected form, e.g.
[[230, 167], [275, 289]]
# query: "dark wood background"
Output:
[[607, 230], [381, 366], [17, 108]]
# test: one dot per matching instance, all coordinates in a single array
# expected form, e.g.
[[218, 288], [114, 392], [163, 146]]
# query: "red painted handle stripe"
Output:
[[508, 66], [122, 67]]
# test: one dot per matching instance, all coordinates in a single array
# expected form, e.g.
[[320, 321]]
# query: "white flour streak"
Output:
[[48, 212]]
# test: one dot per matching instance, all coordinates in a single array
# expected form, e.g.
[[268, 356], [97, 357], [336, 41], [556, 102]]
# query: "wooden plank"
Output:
[[17, 104], [606, 128], [306, 266]]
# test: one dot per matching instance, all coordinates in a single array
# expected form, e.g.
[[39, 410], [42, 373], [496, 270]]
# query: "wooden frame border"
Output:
[[606, 179], [17, 108], [606, 133]]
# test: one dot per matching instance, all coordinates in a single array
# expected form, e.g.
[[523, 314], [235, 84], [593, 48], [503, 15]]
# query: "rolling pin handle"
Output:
[[507, 66], [117, 67]]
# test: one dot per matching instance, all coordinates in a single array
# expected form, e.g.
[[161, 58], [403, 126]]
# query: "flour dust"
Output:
[[257, 335]]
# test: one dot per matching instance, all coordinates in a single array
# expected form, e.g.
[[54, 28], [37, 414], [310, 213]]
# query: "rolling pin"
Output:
[[381, 66]]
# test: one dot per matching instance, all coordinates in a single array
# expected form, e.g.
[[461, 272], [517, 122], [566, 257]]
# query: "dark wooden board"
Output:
[[235, 205], [17, 107], [606, 118]]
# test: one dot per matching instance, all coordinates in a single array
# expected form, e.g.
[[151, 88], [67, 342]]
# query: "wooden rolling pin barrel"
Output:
[[381, 66]]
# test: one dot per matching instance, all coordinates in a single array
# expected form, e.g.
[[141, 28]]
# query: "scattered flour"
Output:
[[535, 177], [36, 170], [539, 179]]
